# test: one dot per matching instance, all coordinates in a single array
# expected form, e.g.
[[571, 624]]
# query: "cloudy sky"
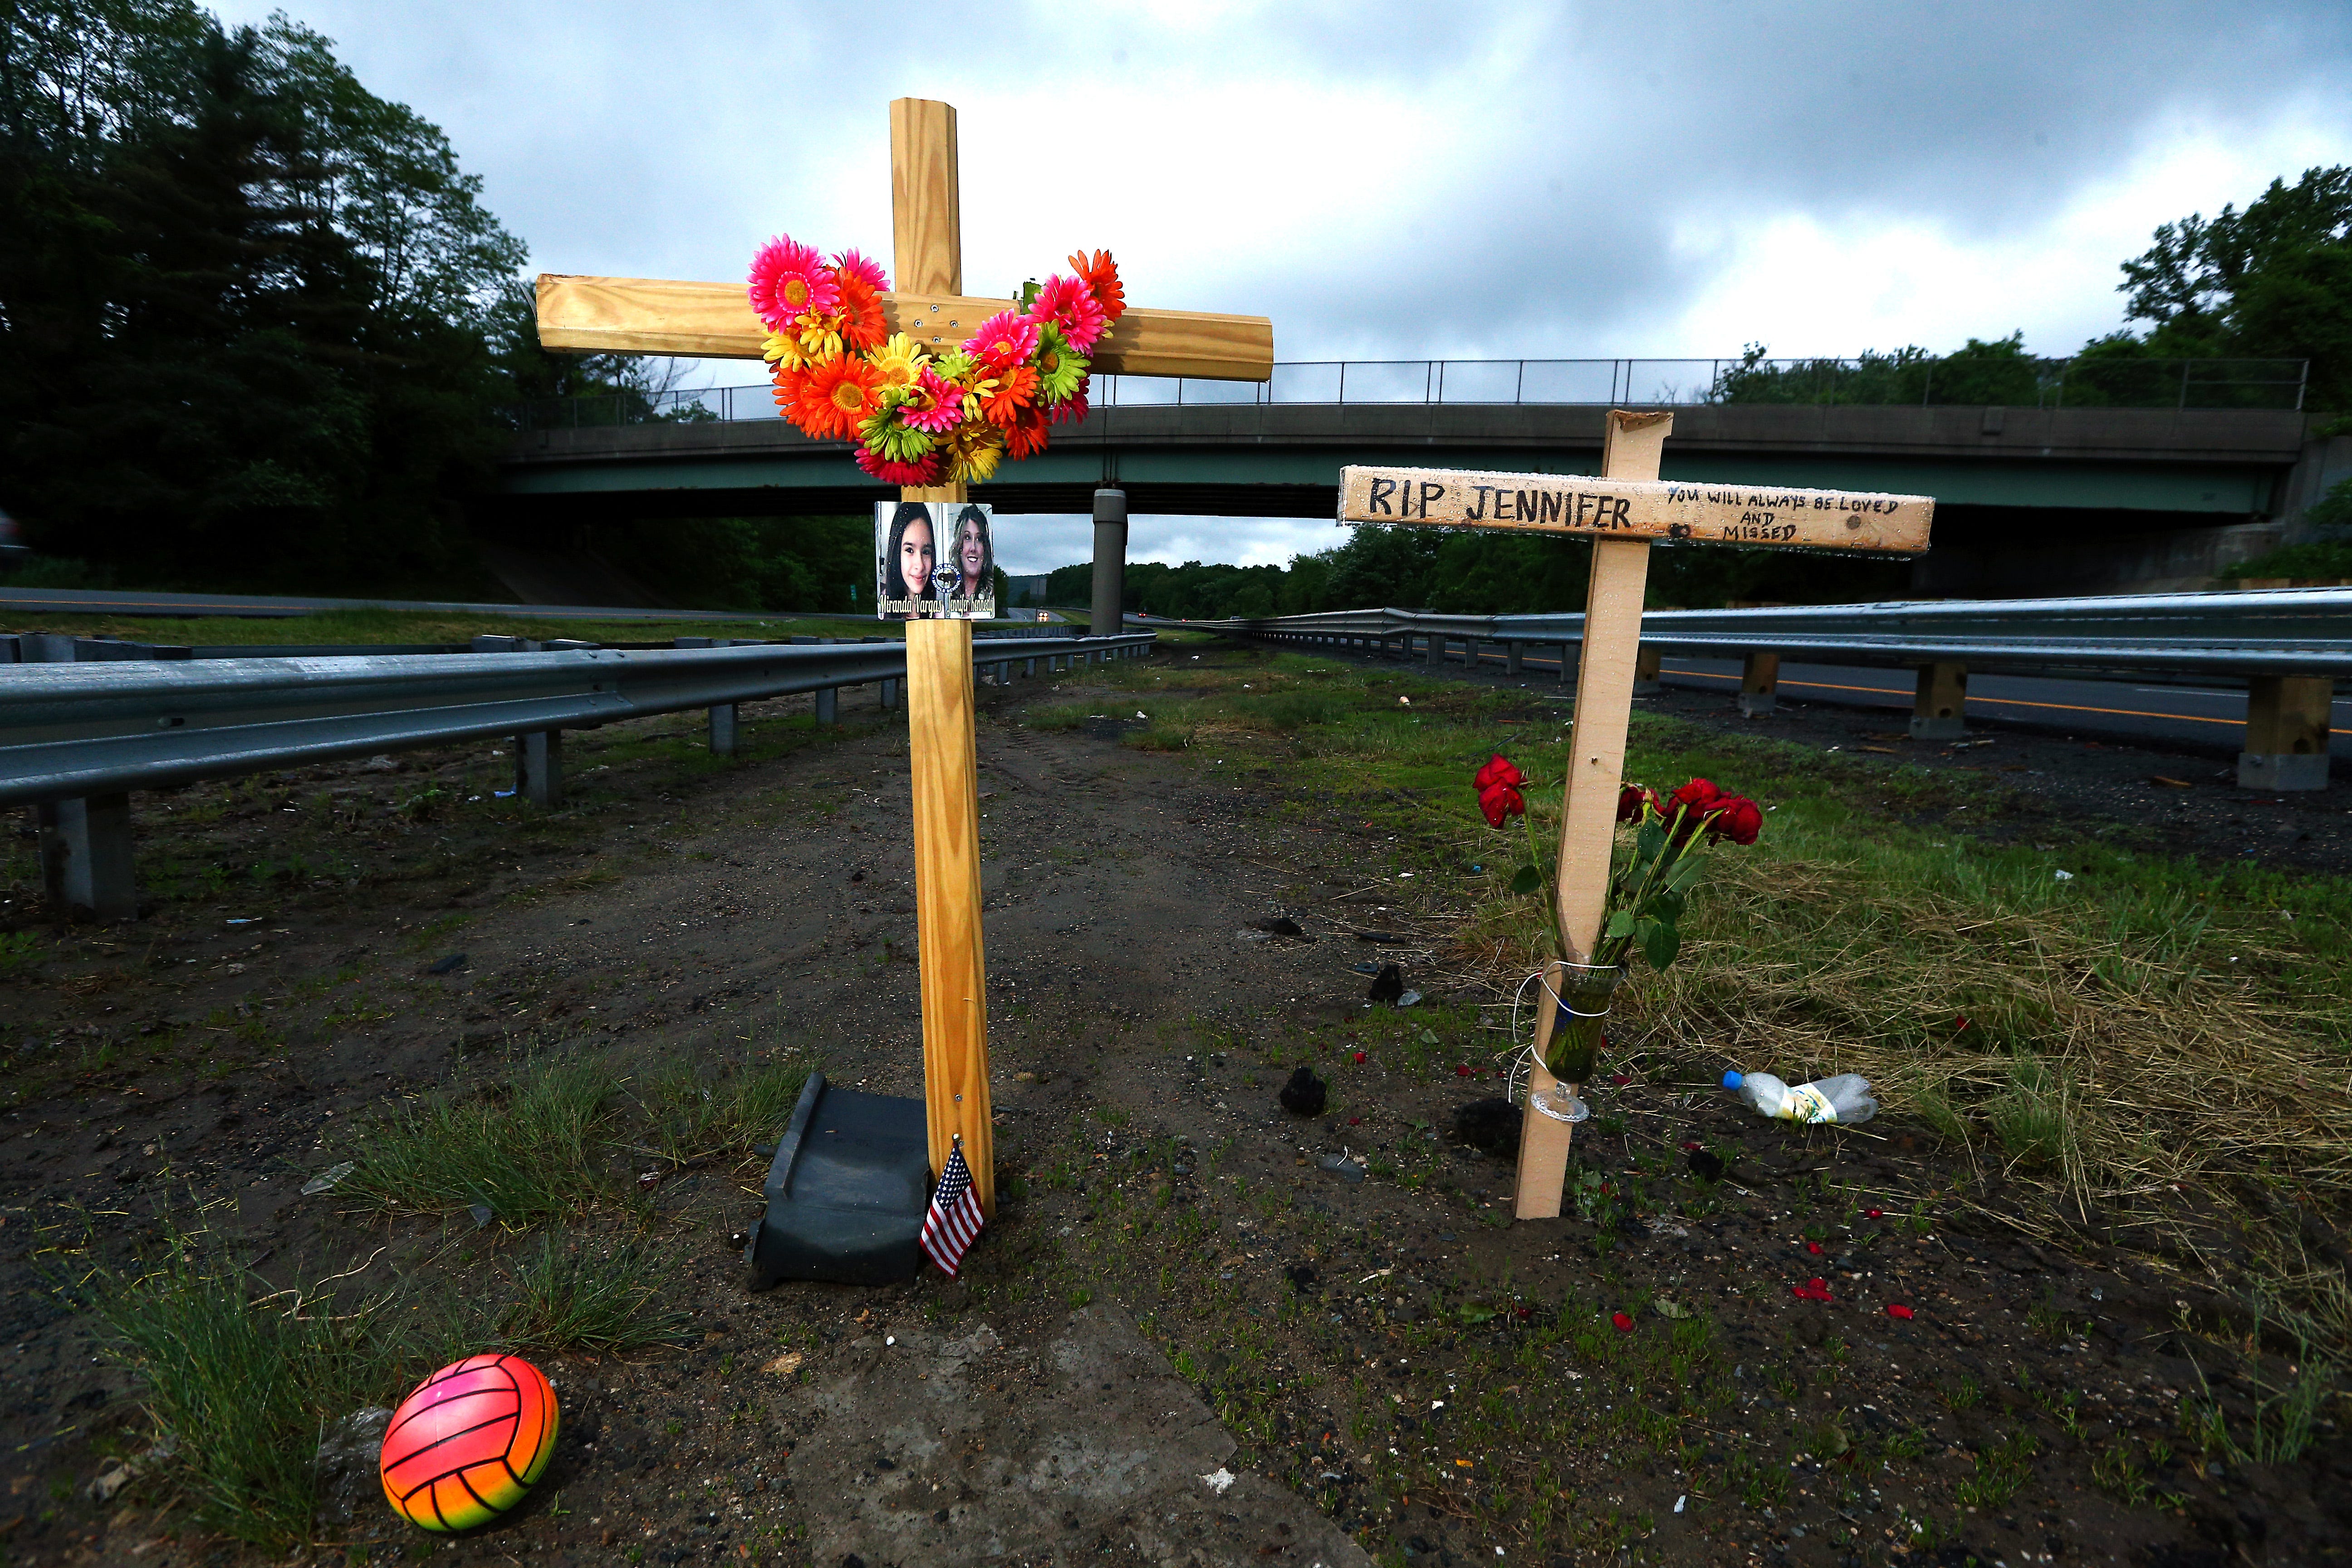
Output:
[[1402, 180]]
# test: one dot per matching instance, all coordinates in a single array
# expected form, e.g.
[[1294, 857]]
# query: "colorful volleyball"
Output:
[[467, 1445]]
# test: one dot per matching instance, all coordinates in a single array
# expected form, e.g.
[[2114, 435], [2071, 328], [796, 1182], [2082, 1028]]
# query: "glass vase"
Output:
[[1584, 992]]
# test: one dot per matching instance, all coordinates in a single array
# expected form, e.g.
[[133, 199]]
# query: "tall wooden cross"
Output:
[[715, 320], [1621, 512]]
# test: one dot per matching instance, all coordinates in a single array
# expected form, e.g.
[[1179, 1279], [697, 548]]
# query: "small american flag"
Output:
[[954, 1218]]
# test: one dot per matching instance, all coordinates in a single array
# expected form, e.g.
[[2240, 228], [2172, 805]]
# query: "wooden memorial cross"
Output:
[[1622, 512], [715, 320]]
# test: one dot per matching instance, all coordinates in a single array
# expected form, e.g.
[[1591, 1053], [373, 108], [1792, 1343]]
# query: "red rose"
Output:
[[1499, 801], [1735, 817], [1499, 769], [1698, 795], [1629, 801]]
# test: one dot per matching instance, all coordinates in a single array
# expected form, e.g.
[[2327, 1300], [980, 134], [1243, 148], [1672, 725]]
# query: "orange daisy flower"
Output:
[[1028, 434], [1101, 277], [862, 324], [790, 386], [838, 399], [1014, 390]]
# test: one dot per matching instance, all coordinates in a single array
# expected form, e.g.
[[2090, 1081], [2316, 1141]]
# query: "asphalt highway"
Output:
[[2144, 709]]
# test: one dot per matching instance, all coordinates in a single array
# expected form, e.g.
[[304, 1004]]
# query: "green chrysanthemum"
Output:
[[885, 434], [1061, 369]]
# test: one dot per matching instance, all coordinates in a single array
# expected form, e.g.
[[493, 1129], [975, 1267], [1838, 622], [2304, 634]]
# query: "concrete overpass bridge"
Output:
[[2035, 500]]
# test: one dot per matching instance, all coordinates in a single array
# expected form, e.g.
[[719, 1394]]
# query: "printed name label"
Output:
[[1634, 509]]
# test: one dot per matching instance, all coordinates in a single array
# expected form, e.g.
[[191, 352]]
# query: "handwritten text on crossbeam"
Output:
[[1631, 509]]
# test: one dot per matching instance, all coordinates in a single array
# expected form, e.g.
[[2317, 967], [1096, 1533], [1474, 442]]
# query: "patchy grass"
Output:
[[572, 1297], [528, 1154], [692, 1114], [240, 1380]]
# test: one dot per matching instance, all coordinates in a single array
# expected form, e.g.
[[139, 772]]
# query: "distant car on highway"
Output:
[[13, 547]]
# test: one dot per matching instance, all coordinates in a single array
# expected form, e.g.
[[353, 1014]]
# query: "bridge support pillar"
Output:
[[1646, 664], [1939, 707], [1511, 658], [1760, 682], [2288, 720], [86, 860], [539, 767], [1110, 561]]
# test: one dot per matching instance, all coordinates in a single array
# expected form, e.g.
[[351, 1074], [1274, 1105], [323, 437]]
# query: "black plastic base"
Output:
[[846, 1192]]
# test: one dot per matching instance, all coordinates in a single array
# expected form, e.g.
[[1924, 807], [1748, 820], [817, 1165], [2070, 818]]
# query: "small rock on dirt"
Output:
[[346, 1465], [1305, 1094]]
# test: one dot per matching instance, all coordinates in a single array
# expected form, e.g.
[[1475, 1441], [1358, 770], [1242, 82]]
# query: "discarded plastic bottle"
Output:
[[1845, 1097]]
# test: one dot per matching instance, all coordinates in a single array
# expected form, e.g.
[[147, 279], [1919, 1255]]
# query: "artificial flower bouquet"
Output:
[[921, 417], [1649, 889]]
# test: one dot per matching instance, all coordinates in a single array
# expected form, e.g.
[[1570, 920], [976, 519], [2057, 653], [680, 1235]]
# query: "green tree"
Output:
[[244, 305], [2274, 281]]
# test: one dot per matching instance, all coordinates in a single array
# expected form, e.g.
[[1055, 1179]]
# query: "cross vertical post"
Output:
[[1588, 813], [927, 223]]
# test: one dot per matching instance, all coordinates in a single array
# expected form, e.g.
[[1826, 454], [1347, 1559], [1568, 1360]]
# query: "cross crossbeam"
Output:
[[714, 321]]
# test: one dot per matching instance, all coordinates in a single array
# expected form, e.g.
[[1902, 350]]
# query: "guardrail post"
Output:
[[1432, 648], [1646, 664], [84, 845], [86, 858], [1568, 664], [1939, 707], [1759, 680], [722, 718], [829, 698], [2287, 722], [539, 767], [1511, 651]]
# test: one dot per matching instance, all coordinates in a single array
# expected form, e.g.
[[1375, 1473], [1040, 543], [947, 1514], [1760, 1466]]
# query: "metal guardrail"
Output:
[[78, 735], [1872, 381], [2221, 637], [85, 729]]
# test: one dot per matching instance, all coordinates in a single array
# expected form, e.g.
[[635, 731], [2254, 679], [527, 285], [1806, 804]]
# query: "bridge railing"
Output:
[[1870, 381]]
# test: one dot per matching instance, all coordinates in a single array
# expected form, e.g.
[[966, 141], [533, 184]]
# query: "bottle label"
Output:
[[1806, 1103]]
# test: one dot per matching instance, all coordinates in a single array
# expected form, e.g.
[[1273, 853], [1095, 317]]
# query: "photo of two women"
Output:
[[907, 537]]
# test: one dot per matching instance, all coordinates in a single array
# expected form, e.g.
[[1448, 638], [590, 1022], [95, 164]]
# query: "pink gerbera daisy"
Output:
[[860, 265], [1003, 341], [934, 406], [1071, 305], [789, 282], [926, 472]]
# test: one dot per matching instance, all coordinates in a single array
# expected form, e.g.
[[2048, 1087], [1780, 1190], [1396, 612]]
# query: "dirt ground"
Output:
[[1343, 1292]]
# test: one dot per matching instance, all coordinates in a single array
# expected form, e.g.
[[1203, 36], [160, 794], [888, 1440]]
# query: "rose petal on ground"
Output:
[[1897, 1309], [1624, 1324]]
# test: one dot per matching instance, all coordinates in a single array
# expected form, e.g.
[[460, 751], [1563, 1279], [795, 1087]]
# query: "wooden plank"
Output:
[[714, 321], [1617, 507], [926, 202], [947, 898], [1588, 827]]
